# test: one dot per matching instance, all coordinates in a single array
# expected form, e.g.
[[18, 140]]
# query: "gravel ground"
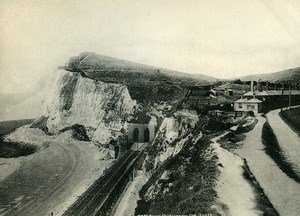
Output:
[[51, 179]]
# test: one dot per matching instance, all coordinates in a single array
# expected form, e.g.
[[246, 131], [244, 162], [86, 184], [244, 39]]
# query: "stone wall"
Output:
[[141, 132]]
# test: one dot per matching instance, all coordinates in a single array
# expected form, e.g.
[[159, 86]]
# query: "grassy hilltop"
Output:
[[110, 69], [145, 83]]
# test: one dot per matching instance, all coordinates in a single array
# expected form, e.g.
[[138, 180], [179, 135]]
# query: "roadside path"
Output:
[[282, 191], [288, 140], [232, 188], [51, 179]]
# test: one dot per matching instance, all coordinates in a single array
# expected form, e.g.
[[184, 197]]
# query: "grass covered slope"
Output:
[[292, 118], [183, 169], [145, 83], [184, 183], [110, 69], [289, 74], [272, 148]]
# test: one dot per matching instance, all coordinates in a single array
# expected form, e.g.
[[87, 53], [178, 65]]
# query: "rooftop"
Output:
[[245, 100], [272, 93]]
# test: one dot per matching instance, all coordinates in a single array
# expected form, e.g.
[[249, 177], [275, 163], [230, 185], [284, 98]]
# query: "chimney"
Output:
[[259, 85], [252, 86]]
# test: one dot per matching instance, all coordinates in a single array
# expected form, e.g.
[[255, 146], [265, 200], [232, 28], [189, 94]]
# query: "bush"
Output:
[[251, 113], [78, 132], [12, 149]]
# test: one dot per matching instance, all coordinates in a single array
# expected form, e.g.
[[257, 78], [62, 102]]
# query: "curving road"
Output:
[[282, 191], [288, 140], [49, 180]]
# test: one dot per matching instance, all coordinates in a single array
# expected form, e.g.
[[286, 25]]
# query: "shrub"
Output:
[[12, 149], [78, 132]]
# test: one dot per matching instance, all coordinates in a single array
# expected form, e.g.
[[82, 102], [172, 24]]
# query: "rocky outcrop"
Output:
[[173, 134], [102, 108]]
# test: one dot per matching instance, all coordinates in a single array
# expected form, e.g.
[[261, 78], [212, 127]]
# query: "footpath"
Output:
[[282, 191]]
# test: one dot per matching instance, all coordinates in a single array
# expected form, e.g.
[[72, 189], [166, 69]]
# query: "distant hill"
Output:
[[110, 69], [20, 106], [292, 74]]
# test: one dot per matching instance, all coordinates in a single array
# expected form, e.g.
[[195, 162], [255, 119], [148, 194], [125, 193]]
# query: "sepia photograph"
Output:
[[149, 108]]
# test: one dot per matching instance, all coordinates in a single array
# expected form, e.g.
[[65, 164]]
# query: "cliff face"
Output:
[[182, 166], [102, 108], [173, 135]]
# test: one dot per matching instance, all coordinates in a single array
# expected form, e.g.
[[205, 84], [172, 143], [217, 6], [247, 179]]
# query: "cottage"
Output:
[[246, 105]]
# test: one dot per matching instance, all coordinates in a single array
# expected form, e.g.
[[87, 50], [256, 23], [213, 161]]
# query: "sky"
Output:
[[219, 38]]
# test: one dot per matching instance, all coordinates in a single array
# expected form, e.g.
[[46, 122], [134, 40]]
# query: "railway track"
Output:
[[95, 197]]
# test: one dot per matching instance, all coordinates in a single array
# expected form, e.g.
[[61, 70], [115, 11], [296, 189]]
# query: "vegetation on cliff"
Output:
[[183, 183], [183, 167]]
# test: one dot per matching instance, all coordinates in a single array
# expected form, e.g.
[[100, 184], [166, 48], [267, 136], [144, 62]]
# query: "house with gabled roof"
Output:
[[246, 105]]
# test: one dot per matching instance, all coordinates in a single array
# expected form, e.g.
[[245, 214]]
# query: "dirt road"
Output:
[[282, 191], [288, 140], [51, 179]]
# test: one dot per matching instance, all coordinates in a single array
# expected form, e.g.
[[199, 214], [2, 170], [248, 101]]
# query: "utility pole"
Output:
[[290, 97], [282, 97]]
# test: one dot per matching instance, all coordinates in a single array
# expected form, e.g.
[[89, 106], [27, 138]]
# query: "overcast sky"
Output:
[[218, 38]]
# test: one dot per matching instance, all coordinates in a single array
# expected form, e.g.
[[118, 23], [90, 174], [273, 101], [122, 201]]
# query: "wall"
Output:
[[141, 128], [245, 108]]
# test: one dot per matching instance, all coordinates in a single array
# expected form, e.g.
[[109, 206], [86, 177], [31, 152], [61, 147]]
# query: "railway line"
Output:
[[94, 201]]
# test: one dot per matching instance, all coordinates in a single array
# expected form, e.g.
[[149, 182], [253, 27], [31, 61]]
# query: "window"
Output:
[[240, 105], [250, 107]]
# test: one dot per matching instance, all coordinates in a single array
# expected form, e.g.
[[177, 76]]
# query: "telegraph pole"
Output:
[[290, 97]]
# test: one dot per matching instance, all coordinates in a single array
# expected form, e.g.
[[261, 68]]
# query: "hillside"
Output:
[[110, 69], [20, 106], [289, 74]]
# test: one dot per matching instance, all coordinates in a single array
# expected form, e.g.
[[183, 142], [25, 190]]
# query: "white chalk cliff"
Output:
[[102, 108]]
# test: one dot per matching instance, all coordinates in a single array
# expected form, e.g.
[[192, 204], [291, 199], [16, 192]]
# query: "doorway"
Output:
[[136, 134]]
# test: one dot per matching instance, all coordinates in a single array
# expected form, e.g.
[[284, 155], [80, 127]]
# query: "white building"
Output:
[[246, 105]]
